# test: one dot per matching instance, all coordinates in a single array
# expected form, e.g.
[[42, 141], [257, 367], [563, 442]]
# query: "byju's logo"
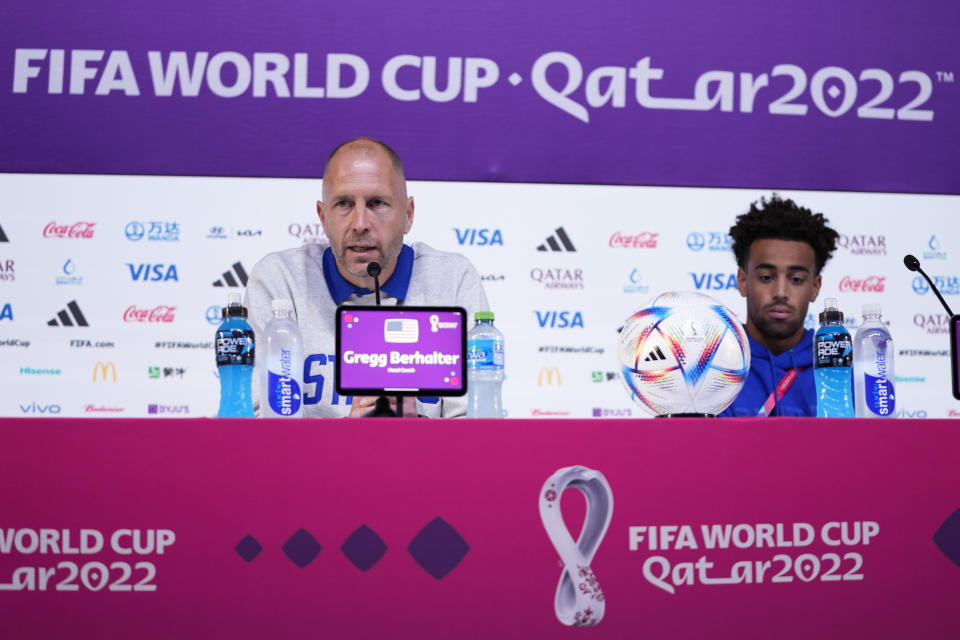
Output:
[[947, 285], [69, 316], [635, 283], [558, 278], [709, 240], [153, 272], [163, 409], [603, 412], [311, 233], [35, 408], [214, 314], [217, 233], [103, 370], [228, 277], [714, 281], [153, 231], [864, 245], [934, 323], [559, 242], [559, 319], [7, 273], [934, 252], [478, 237], [78, 230], [643, 240], [68, 277]]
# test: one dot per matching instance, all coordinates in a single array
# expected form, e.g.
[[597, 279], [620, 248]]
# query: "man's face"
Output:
[[365, 212], [779, 282]]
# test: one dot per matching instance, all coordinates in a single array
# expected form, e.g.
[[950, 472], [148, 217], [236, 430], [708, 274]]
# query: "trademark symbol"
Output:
[[944, 76]]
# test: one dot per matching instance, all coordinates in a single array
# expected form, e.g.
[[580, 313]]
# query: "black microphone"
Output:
[[373, 270], [910, 262]]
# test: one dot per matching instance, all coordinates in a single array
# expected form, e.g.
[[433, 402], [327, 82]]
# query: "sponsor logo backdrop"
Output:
[[561, 279]]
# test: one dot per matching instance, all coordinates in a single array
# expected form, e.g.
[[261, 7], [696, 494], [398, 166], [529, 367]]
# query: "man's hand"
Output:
[[362, 405]]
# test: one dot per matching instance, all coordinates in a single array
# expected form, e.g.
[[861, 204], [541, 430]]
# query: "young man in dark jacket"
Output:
[[780, 249]]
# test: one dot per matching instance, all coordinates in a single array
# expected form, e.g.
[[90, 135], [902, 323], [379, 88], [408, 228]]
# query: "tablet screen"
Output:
[[401, 351]]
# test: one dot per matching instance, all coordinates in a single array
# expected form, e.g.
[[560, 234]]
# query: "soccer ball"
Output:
[[683, 353]]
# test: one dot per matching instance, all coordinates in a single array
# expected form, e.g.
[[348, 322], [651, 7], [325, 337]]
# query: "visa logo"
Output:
[[479, 237], [714, 280], [6, 312], [33, 407], [153, 273], [559, 319]]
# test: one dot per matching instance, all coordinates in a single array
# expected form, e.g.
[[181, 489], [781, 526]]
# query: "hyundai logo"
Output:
[[134, 230], [920, 285]]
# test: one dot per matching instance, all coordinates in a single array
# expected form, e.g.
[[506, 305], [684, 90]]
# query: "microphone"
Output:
[[373, 270], [910, 262]]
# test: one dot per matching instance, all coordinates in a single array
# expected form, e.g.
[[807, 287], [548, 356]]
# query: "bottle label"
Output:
[[234, 346], [878, 394], [283, 394], [832, 349], [484, 353]]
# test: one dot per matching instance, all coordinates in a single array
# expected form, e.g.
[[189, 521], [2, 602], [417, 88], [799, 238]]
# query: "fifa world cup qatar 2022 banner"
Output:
[[850, 96]]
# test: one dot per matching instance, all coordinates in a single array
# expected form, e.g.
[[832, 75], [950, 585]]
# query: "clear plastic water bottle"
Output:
[[281, 370], [873, 367], [833, 364], [484, 368], [235, 352]]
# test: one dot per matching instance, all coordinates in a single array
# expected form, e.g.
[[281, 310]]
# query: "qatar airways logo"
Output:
[[933, 324], [160, 313], [82, 230], [643, 240], [870, 284], [864, 245]]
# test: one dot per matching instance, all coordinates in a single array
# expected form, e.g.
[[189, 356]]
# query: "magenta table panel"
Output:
[[778, 528]]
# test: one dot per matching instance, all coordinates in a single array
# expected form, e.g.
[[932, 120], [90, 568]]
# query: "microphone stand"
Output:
[[382, 408], [910, 262]]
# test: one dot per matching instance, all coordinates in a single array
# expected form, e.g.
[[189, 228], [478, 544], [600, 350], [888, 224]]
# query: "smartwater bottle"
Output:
[[484, 368], [235, 360], [833, 364], [281, 364], [873, 367]]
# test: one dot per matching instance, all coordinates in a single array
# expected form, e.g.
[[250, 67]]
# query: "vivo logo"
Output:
[[34, 408], [906, 413], [479, 237], [153, 273], [559, 319], [715, 281]]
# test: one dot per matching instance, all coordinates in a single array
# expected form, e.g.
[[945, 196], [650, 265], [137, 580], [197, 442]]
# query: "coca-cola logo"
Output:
[[160, 313], [75, 230], [870, 284], [643, 240], [932, 323]]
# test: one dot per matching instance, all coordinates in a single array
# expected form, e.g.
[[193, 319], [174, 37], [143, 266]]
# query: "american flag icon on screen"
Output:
[[401, 330]]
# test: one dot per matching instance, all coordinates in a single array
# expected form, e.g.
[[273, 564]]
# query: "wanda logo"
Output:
[[644, 240], [871, 284], [76, 230], [160, 313]]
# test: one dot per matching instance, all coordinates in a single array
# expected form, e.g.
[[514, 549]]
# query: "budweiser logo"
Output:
[[645, 240], [160, 313], [76, 230], [95, 409], [953, 413], [871, 284]]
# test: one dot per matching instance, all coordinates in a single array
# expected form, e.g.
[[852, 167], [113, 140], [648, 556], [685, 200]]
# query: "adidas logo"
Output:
[[69, 316], [228, 278], [3, 236], [554, 245], [655, 355]]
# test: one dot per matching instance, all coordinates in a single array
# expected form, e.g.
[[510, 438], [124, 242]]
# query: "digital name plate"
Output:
[[401, 351]]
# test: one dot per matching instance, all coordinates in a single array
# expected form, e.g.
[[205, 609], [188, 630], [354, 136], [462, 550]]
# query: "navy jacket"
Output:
[[767, 370]]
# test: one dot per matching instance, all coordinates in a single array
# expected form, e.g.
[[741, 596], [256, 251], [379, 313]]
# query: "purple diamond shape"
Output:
[[438, 548], [364, 548], [248, 548], [947, 538], [301, 548]]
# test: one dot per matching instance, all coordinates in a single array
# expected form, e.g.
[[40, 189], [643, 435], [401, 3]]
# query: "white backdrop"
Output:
[[559, 310]]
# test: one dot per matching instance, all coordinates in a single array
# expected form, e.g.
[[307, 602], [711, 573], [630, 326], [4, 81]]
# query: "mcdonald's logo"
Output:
[[549, 373], [102, 368]]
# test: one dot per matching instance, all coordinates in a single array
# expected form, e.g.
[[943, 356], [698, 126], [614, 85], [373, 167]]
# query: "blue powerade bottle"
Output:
[[235, 352], [833, 364]]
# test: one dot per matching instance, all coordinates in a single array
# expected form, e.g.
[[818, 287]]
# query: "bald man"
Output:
[[365, 213]]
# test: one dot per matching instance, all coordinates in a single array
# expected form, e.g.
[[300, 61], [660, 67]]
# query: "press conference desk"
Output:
[[373, 528]]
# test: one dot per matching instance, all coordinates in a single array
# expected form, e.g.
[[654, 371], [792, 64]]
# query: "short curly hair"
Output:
[[783, 219]]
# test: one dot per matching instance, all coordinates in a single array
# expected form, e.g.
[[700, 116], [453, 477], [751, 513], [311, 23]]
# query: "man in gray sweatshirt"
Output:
[[365, 213]]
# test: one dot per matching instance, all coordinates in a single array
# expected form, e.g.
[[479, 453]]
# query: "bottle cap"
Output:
[[830, 312], [483, 315], [234, 307], [872, 309], [281, 304]]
